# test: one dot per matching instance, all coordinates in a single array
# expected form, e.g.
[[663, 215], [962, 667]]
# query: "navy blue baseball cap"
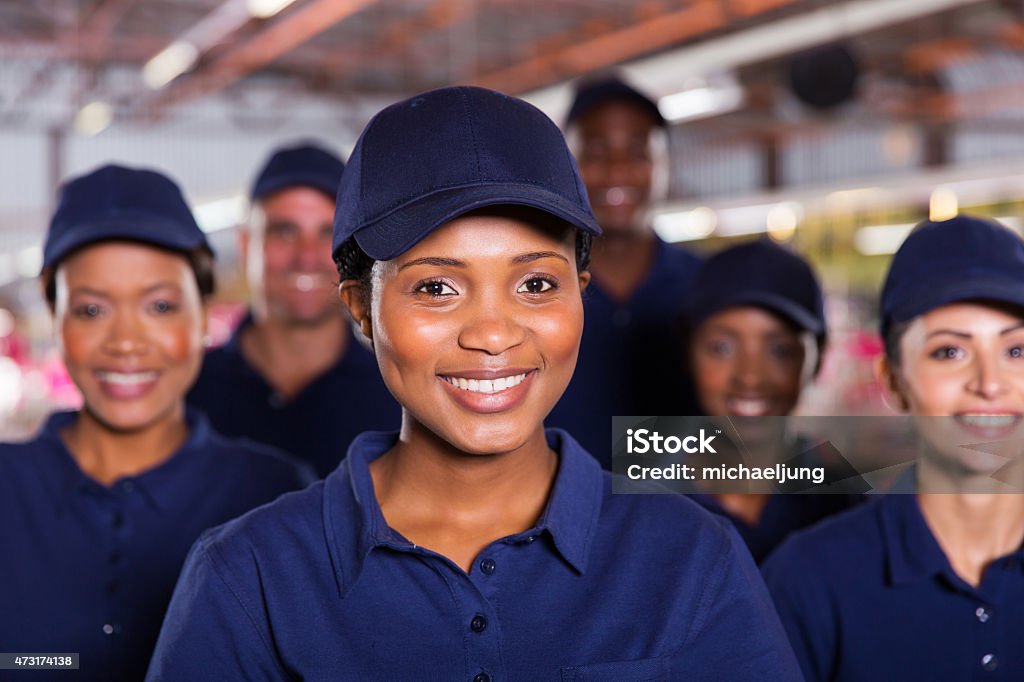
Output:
[[427, 160], [114, 202], [961, 259], [305, 165], [759, 273], [591, 94]]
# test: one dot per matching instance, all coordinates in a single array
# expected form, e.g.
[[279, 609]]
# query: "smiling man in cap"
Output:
[[293, 375]]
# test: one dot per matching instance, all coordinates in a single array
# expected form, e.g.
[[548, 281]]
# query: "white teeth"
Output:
[[748, 407], [127, 379], [988, 420], [305, 282], [486, 385]]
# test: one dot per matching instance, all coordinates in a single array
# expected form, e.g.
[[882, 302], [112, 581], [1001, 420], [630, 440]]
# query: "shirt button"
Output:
[[478, 624], [621, 317], [983, 614], [108, 629], [114, 556], [530, 539], [118, 520], [113, 586], [989, 662], [127, 486], [482, 677], [488, 566]]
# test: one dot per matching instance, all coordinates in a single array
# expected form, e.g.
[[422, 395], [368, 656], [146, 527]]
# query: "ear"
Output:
[[243, 236], [354, 298], [892, 387], [584, 278]]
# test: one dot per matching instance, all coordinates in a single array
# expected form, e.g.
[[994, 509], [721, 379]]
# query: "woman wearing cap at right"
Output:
[[755, 333], [473, 544], [927, 582]]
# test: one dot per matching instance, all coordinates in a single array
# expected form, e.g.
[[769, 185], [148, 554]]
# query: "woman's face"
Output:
[[748, 362], [963, 362], [477, 328], [131, 323]]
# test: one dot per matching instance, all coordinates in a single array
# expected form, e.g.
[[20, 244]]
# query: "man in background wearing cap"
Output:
[[293, 375], [629, 358]]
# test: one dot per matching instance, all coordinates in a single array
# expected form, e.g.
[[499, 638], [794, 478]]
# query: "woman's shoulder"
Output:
[[291, 523]]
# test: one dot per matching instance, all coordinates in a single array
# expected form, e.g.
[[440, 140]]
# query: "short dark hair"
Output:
[[200, 260]]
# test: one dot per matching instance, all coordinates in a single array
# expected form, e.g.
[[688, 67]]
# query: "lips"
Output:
[[748, 407], [486, 386], [989, 425], [488, 391], [126, 385], [619, 196]]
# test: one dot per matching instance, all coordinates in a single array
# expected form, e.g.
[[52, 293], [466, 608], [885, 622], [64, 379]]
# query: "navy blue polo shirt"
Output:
[[781, 516], [631, 358], [89, 569], [604, 587], [870, 595], [318, 424]]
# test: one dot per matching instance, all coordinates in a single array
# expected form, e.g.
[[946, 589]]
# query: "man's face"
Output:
[[614, 155], [288, 256]]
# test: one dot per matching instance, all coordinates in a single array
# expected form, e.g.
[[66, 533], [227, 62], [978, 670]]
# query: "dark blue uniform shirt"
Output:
[[318, 424], [781, 515], [631, 358], [870, 595], [604, 587], [89, 569]]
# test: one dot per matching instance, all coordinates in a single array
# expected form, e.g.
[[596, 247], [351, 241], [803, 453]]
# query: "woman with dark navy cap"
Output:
[[927, 582], [98, 512], [755, 331], [472, 544]]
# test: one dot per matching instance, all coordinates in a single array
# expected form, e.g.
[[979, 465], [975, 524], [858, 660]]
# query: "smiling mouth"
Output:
[[127, 378], [748, 407], [988, 420], [486, 385]]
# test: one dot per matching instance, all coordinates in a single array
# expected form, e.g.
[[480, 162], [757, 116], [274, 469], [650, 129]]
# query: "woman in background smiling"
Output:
[[926, 583], [99, 510]]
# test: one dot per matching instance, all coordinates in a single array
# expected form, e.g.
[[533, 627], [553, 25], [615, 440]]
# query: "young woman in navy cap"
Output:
[[472, 544], [926, 583], [98, 512], [755, 333]]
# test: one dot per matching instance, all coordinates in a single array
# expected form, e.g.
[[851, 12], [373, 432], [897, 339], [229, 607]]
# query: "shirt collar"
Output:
[[160, 485], [911, 550], [356, 526]]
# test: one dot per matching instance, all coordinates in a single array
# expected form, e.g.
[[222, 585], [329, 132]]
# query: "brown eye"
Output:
[[536, 285]]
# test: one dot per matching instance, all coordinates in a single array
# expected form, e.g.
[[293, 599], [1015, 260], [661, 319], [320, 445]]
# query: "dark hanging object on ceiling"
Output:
[[825, 77]]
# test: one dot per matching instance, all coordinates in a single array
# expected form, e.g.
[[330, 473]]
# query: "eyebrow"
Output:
[[434, 260], [537, 255], [89, 291], [968, 335], [453, 263]]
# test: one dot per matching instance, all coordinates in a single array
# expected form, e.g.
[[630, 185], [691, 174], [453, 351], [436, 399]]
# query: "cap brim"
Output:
[[156, 232], [978, 287], [328, 186], [401, 228], [802, 317]]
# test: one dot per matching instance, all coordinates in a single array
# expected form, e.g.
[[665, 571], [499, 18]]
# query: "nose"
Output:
[[492, 328], [126, 335], [748, 369], [311, 252], [986, 381]]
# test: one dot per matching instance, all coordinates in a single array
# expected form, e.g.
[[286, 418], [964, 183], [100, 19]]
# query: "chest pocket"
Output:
[[646, 670]]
